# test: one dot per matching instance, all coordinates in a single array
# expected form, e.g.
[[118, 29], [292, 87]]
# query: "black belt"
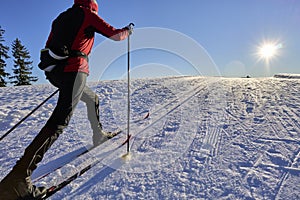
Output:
[[75, 53]]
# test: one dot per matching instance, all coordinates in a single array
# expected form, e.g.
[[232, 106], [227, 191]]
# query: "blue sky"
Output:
[[230, 31]]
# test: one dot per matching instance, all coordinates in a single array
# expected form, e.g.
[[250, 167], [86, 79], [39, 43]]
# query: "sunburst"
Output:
[[268, 50]]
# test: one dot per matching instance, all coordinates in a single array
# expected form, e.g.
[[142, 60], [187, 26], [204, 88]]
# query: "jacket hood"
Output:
[[91, 4]]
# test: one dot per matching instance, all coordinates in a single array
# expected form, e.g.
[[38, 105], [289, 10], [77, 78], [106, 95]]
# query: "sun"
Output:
[[268, 50]]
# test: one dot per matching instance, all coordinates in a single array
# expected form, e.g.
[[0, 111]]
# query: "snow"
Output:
[[289, 76], [205, 138]]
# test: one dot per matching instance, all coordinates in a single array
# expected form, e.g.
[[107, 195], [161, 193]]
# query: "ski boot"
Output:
[[102, 136], [14, 188]]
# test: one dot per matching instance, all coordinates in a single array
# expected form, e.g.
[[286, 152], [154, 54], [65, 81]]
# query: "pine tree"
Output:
[[22, 65], [3, 55]]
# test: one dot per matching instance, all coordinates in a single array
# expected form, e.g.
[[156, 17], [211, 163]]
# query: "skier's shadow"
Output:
[[104, 172]]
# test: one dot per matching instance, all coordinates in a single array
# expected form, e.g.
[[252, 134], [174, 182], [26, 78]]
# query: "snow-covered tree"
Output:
[[22, 65], [3, 56]]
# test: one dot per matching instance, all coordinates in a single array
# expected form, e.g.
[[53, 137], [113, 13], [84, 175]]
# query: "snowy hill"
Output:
[[289, 76], [205, 138]]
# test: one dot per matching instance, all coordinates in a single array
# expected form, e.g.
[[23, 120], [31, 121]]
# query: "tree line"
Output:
[[22, 67]]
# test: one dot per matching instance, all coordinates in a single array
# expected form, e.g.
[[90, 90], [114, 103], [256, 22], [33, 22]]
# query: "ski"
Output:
[[55, 188], [74, 155]]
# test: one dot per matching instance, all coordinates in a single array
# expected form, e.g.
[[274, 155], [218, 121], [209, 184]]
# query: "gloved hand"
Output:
[[130, 28]]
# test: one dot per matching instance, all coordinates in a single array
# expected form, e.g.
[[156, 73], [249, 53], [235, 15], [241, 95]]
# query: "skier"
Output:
[[65, 61]]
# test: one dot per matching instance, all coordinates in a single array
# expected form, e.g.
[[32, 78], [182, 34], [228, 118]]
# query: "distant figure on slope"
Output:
[[65, 61]]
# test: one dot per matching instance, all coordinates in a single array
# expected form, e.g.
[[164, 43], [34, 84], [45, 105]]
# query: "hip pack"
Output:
[[49, 60]]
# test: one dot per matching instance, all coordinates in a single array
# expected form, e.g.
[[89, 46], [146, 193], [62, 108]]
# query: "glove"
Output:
[[130, 28]]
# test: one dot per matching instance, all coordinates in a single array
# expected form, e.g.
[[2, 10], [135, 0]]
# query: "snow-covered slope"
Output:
[[289, 76], [206, 138]]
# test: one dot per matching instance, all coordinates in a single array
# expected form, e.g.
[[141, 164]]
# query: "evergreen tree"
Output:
[[22, 65], [3, 55]]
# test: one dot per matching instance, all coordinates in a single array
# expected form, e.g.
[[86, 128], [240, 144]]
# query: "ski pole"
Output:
[[22, 120], [128, 88]]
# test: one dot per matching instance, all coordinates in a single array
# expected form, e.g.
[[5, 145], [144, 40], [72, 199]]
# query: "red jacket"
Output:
[[75, 29]]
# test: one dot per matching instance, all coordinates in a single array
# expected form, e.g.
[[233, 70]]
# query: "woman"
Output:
[[65, 61]]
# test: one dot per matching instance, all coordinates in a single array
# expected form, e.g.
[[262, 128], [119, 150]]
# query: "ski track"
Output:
[[206, 138]]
